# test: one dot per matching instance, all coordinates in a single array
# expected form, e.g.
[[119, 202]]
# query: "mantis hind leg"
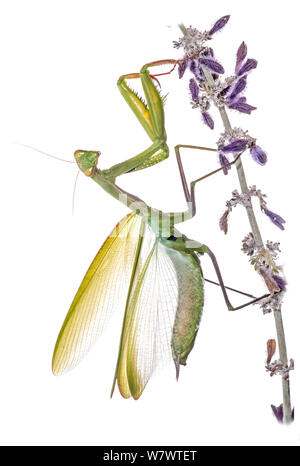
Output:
[[205, 250]]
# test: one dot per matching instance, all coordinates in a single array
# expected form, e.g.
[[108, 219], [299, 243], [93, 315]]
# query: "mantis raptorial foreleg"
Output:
[[151, 117]]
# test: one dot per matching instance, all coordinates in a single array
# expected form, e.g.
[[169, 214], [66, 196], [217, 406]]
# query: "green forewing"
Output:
[[104, 286]]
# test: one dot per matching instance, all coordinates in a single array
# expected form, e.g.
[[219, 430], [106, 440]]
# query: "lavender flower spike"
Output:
[[208, 120], [224, 161], [258, 155], [276, 219], [241, 55], [212, 65], [194, 90], [219, 25], [249, 65], [234, 147]]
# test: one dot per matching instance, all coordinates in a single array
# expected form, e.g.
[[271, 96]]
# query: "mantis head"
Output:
[[87, 161]]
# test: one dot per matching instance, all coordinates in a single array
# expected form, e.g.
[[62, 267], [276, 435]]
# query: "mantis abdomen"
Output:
[[190, 304]]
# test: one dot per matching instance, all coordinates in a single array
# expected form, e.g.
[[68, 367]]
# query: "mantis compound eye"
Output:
[[87, 161]]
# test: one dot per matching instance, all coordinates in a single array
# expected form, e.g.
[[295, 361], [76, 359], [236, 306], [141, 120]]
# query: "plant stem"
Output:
[[258, 239], [240, 172]]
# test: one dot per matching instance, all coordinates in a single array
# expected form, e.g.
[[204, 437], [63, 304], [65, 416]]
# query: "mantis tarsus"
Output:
[[145, 261]]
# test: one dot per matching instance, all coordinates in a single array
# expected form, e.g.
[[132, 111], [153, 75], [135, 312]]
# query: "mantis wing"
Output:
[[149, 320], [105, 285]]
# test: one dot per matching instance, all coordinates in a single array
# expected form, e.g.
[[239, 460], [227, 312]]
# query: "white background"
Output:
[[60, 61]]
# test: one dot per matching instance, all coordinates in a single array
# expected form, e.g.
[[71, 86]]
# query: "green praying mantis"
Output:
[[145, 263]]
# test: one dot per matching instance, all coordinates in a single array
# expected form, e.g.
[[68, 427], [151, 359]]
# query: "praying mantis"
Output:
[[145, 263]]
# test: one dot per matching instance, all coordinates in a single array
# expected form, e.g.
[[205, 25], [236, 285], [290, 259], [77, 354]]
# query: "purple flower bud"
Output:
[[210, 52], [225, 91], [278, 412], [208, 120], [276, 219], [238, 87], [219, 25], [193, 66], [182, 66], [200, 74], [281, 283], [240, 55], [234, 147], [249, 65], [212, 65], [194, 90], [258, 155], [241, 106], [223, 162]]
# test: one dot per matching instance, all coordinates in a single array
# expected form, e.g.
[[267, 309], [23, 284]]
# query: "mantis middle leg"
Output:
[[190, 193], [182, 216]]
